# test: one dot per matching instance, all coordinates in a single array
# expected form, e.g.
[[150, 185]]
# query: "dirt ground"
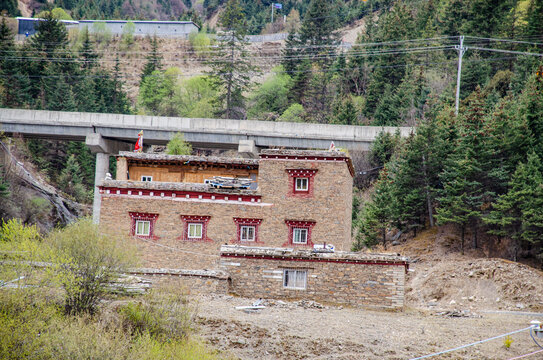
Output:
[[288, 331], [451, 300]]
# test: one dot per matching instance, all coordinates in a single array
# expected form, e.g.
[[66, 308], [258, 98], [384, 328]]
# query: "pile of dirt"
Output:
[[440, 277], [491, 284]]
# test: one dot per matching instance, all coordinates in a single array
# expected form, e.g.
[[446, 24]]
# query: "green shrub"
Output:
[[178, 146], [163, 314], [200, 43], [85, 261], [294, 113]]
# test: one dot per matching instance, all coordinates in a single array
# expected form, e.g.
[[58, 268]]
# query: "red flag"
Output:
[[139, 143]]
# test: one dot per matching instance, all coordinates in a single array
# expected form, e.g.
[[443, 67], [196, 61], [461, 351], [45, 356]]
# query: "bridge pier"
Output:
[[248, 149], [103, 148]]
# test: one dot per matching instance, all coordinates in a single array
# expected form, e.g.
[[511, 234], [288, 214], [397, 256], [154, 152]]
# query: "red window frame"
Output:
[[194, 219], [297, 224], [295, 174], [247, 222], [141, 216]]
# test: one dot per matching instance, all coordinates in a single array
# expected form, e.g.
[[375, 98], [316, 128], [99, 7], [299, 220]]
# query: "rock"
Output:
[[471, 298], [520, 306], [471, 274], [452, 302]]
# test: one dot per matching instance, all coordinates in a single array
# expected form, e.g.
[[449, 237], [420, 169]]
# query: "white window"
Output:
[[302, 184], [143, 227], [195, 231], [294, 279], [146, 178], [247, 233], [299, 236]]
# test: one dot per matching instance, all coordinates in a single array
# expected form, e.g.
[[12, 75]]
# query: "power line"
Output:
[[526, 355]]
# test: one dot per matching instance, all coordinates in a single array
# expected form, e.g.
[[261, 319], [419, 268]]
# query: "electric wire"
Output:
[[472, 344], [525, 355]]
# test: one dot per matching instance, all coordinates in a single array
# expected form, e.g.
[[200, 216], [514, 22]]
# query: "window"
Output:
[[299, 233], [302, 184], [143, 227], [194, 228], [247, 229], [143, 224], [247, 233], [146, 178], [299, 236], [295, 279], [195, 231]]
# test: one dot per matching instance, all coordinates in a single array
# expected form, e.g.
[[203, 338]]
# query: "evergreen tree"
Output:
[[534, 21], [318, 32], [11, 7], [231, 70], [289, 54], [381, 211], [154, 60], [347, 114], [517, 214], [87, 54]]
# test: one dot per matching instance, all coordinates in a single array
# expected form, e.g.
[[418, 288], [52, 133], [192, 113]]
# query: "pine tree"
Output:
[[517, 213], [347, 114], [289, 54], [154, 60], [87, 53], [470, 178], [381, 211], [318, 32], [231, 69]]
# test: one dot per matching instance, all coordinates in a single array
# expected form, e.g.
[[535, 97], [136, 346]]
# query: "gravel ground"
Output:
[[285, 330]]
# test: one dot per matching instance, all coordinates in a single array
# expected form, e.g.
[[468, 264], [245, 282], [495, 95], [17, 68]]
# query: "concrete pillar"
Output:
[[122, 169], [103, 148], [102, 167], [248, 149]]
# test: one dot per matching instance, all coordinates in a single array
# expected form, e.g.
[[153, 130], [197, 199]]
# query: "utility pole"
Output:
[[273, 6], [461, 50]]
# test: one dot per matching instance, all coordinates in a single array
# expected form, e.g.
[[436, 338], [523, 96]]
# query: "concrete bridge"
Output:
[[201, 133], [107, 134]]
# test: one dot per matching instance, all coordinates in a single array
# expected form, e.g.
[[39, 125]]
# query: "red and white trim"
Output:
[[299, 233], [243, 230], [194, 220], [181, 195], [284, 157], [142, 216], [303, 177]]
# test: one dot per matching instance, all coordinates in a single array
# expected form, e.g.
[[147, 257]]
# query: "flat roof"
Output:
[[40, 19], [187, 159], [310, 254], [174, 186]]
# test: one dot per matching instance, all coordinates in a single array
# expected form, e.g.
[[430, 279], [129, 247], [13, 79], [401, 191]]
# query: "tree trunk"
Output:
[[384, 231], [462, 239], [427, 188], [474, 238]]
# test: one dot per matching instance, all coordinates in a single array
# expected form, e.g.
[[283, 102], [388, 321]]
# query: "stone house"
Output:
[[298, 198], [356, 279]]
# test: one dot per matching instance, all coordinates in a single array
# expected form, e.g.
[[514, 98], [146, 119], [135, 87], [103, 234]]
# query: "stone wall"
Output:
[[329, 206], [193, 282], [365, 280]]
